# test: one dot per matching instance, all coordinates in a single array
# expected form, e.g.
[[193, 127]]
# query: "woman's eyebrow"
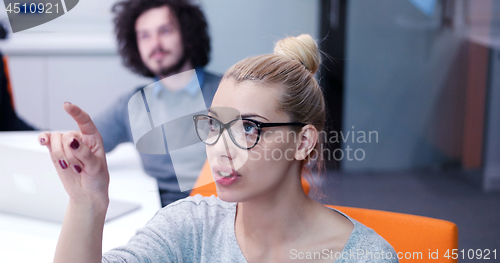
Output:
[[250, 115], [243, 116]]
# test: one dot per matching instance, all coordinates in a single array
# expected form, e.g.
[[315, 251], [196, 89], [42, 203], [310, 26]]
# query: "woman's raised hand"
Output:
[[79, 158]]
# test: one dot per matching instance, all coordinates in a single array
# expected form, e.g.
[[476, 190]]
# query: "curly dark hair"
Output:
[[192, 22]]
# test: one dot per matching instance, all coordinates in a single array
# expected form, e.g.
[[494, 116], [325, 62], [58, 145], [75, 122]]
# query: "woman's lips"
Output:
[[219, 173]]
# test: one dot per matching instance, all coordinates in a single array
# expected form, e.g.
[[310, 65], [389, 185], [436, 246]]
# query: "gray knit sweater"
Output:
[[201, 229]]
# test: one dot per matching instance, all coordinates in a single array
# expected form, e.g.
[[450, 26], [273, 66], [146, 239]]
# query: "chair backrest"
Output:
[[7, 76], [205, 184], [411, 236], [415, 238]]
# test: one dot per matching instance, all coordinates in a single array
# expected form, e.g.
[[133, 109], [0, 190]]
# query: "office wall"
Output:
[[492, 152], [81, 45], [42, 83], [245, 28], [491, 176], [405, 80]]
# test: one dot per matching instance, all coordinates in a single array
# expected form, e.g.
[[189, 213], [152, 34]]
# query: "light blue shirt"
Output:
[[114, 126], [191, 88], [162, 122]]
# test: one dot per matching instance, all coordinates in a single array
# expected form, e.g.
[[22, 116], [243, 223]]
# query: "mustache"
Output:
[[158, 50]]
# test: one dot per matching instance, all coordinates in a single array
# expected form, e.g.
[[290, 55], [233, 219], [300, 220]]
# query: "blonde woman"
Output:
[[263, 103]]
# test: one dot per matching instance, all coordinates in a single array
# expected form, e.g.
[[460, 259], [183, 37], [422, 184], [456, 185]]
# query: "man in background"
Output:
[[159, 39]]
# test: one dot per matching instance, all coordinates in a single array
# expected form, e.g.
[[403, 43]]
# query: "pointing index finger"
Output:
[[85, 123]]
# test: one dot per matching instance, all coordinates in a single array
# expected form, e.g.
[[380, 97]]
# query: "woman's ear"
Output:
[[307, 139]]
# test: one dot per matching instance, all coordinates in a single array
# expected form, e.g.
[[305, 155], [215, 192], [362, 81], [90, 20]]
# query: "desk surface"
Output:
[[24, 239]]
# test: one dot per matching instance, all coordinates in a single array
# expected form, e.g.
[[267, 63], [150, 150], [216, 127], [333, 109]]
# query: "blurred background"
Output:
[[75, 55], [412, 87]]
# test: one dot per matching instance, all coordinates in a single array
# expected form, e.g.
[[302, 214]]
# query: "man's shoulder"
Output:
[[212, 79], [210, 85], [212, 75], [125, 97]]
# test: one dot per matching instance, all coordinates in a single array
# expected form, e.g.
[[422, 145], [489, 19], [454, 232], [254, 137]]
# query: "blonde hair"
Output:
[[292, 66]]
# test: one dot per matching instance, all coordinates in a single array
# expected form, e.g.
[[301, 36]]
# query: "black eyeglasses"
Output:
[[244, 133]]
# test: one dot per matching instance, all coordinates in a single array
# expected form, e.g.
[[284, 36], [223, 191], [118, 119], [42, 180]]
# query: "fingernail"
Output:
[[63, 163], [42, 140], [67, 102], [77, 168], [74, 144]]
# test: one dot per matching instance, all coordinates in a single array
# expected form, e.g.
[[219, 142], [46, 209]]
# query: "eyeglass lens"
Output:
[[244, 133]]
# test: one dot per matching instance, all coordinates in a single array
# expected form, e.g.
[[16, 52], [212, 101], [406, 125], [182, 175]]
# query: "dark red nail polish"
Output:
[[42, 140], [63, 163], [74, 144], [78, 169]]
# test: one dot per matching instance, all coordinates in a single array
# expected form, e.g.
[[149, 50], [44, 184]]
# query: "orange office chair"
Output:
[[415, 238], [9, 87]]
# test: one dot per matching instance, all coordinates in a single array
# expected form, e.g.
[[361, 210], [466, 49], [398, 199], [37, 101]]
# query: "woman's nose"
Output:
[[224, 149]]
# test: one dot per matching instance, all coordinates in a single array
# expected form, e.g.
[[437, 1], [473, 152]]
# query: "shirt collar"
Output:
[[191, 88]]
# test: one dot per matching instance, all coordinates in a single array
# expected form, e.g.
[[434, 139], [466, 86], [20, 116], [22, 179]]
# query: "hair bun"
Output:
[[302, 48]]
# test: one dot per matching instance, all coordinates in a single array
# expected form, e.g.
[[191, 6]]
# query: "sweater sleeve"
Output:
[[170, 236], [150, 244], [193, 229]]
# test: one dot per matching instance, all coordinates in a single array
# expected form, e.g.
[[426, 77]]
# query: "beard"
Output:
[[173, 69]]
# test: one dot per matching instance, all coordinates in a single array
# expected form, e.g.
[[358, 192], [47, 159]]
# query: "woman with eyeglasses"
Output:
[[262, 134]]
